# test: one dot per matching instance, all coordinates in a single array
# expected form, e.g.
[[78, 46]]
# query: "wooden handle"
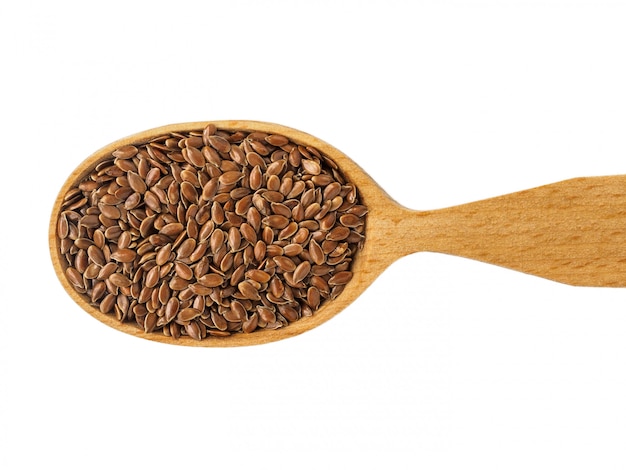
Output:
[[572, 232]]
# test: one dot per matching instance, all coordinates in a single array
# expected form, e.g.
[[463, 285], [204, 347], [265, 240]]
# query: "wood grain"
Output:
[[571, 232]]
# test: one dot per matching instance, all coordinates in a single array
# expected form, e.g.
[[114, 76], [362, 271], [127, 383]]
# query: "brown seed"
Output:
[[124, 255], [188, 191], [276, 221], [124, 240], [164, 293], [152, 201], [219, 321], [276, 168], [316, 253], [178, 283], [194, 156], [217, 240], [258, 275], [244, 204], [119, 280], [273, 183], [95, 254], [248, 290], [209, 190], [256, 178], [258, 147], [132, 201], [99, 289], [186, 248], [199, 289], [280, 209], [171, 309], [75, 277], [128, 151], [92, 271], [193, 330], [236, 313], [172, 229], [301, 271], [147, 225], [322, 180], [106, 271], [288, 231], [350, 220], [217, 213], [108, 303], [273, 196], [198, 252], [250, 324], [310, 166], [274, 250], [183, 270], [259, 250], [340, 279], [313, 297], [63, 227], [110, 212], [277, 140], [90, 221], [81, 261], [136, 182], [301, 236], [297, 189], [248, 233], [206, 231], [328, 222], [230, 177], [226, 263], [163, 254], [219, 143], [331, 190], [153, 177], [209, 130], [153, 276], [285, 263], [338, 233], [253, 216], [211, 280], [288, 312], [266, 314], [188, 314]]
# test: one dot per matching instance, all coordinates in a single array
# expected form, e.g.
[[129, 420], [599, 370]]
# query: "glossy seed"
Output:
[[285, 263], [188, 314], [340, 279], [230, 177], [276, 221], [301, 271], [258, 275], [211, 280], [119, 280], [124, 255]]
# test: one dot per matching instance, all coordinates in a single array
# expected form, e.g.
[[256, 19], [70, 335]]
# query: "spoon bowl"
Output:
[[572, 232]]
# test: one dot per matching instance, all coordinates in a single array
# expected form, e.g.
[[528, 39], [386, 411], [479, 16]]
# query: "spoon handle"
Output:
[[572, 232]]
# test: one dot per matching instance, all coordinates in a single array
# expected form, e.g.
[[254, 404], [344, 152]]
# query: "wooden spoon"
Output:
[[573, 232]]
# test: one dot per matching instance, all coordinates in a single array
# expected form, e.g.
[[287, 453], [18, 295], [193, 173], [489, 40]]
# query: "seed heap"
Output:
[[211, 233]]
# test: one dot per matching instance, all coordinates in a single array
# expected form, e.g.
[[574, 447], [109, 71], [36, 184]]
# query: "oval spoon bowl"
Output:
[[367, 265]]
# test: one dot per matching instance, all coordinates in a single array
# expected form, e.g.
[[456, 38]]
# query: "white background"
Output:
[[443, 363]]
